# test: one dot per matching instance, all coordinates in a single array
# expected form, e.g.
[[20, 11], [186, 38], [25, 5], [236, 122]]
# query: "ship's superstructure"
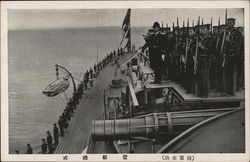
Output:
[[142, 117]]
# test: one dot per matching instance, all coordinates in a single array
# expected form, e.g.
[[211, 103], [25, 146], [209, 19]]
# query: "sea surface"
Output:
[[31, 59]]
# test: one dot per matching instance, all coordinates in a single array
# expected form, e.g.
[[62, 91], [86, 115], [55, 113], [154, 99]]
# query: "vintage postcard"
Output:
[[125, 81]]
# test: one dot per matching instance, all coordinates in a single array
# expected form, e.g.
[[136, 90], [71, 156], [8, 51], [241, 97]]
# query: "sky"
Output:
[[24, 19]]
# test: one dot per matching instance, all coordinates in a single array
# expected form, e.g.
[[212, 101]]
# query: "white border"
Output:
[[112, 4]]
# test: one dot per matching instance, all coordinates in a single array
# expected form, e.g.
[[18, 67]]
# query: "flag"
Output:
[[126, 30]]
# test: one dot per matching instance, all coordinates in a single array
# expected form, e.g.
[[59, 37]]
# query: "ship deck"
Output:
[[90, 108]]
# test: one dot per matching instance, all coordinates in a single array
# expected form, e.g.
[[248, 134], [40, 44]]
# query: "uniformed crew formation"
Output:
[[202, 58], [47, 146]]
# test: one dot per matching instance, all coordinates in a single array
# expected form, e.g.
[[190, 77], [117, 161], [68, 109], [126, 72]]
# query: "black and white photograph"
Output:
[[168, 82]]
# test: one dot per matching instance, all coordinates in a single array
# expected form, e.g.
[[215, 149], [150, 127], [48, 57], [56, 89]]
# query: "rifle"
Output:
[[196, 56], [172, 54], [177, 37], [223, 41], [217, 39], [186, 52], [211, 59], [186, 49], [196, 48], [178, 27]]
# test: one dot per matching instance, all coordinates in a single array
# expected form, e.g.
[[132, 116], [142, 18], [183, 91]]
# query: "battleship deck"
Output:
[[91, 107]]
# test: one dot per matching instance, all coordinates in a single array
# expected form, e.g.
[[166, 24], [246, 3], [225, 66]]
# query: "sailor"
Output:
[[133, 48], [70, 107], [240, 70], [231, 57], [105, 61], [181, 55], [80, 89], [219, 59], [170, 54], [114, 53], [121, 50], [205, 44], [76, 97], [118, 52], [87, 75], [73, 103], [163, 48], [156, 61], [29, 149], [175, 55], [103, 64], [55, 134], [99, 66], [66, 114], [61, 126], [215, 62], [95, 68], [49, 142], [109, 58], [189, 62], [44, 146], [149, 44], [85, 80], [158, 50], [68, 110]]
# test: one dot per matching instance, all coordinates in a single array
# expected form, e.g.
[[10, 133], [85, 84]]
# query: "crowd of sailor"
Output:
[[202, 58], [48, 146]]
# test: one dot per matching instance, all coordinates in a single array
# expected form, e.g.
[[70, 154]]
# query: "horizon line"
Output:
[[58, 28]]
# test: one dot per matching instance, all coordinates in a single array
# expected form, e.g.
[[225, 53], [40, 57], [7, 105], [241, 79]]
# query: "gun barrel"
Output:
[[151, 125]]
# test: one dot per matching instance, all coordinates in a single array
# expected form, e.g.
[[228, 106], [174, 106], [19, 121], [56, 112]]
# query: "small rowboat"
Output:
[[56, 87]]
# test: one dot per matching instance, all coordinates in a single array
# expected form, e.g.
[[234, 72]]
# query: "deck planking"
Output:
[[90, 108]]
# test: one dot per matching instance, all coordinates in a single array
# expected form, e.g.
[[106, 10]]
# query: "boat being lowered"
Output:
[[56, 87]]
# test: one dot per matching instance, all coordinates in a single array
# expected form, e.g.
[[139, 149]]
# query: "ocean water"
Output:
[[31, 59]]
